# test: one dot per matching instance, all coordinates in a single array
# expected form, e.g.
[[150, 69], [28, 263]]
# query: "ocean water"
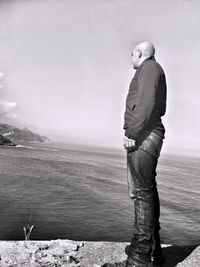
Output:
[[81, 193]]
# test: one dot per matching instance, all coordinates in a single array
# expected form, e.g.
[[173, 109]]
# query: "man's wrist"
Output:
[[129, 134]]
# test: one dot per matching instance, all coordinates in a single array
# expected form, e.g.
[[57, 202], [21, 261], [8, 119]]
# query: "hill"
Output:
[[16, 135]]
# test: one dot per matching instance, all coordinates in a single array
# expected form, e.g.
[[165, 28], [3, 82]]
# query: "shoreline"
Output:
[[63, 252]]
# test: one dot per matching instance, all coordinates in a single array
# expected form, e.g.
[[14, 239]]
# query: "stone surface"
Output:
[[193, 260], [61, 253]]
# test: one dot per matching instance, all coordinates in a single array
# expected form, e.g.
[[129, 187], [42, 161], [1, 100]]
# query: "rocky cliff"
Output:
[[16, 135], [4, 141]]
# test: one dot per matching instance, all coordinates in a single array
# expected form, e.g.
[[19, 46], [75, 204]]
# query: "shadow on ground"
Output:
[[173, 255], [176, 254]]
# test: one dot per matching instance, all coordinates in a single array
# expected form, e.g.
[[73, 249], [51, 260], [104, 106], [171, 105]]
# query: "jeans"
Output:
[[141, 168]]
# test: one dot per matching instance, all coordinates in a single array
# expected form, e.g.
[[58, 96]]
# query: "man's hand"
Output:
[[128, 143]]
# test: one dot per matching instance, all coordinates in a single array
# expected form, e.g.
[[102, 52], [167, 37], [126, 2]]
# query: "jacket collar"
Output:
[[148, 58]]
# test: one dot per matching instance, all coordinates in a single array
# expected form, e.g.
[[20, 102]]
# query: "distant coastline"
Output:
[[11, 135]]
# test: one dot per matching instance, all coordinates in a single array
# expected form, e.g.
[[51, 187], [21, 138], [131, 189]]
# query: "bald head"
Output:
[[142, 51], [146, 48]]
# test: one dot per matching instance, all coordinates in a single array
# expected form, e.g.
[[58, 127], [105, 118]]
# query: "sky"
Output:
[[66, 67]]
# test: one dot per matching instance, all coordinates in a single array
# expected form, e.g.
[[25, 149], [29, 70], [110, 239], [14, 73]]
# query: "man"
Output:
[[144, 134]]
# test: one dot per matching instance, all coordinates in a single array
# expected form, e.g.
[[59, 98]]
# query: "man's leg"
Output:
[[157, 256], [142, 167]]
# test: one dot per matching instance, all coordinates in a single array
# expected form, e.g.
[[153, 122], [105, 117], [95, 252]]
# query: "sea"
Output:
[[80, 192]]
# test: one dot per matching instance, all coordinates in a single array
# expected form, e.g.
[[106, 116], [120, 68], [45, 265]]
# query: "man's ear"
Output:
[[139, 53]]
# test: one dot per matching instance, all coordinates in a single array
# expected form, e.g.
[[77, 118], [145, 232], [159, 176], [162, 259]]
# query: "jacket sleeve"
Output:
[[148, 81]]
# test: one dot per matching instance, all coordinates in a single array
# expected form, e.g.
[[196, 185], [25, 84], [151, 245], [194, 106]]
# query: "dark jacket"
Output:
[[146, 101]]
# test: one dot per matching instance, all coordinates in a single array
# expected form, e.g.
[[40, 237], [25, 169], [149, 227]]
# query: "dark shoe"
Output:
[[128, 264], [158, 259]]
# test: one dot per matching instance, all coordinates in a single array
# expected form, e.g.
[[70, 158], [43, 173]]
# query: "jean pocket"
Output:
[[152, 145]]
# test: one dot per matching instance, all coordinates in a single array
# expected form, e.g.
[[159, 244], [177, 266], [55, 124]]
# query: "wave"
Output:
[[29, 147], [37, 148], [48, 149]]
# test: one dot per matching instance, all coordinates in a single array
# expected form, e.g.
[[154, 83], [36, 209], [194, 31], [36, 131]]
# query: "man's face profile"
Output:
[[135, 58]]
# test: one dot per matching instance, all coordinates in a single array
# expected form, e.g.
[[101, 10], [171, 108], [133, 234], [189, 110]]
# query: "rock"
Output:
[[101, 253], [193, 260], [70, 253], [4, 141]]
